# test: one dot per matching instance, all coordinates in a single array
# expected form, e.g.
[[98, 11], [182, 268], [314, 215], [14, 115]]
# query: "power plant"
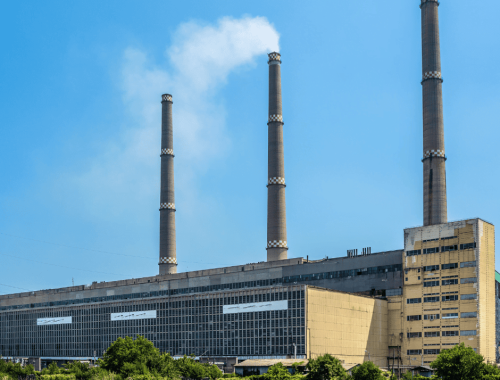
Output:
[[395, 308]]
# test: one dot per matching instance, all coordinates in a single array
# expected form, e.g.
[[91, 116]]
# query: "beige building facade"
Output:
[[448, 294], [352, 328]]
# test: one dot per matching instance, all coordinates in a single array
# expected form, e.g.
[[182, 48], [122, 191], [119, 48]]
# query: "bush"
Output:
[[58, 376], [325, 367], [368, 371], [461, 363]]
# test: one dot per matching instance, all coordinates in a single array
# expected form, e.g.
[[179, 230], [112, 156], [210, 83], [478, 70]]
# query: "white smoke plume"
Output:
[[197, 63]]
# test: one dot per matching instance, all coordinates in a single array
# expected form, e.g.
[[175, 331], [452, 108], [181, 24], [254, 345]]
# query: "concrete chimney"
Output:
[[276, 211], [168, 255], [435, 202]]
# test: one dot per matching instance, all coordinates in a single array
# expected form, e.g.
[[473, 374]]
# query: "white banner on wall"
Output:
[[133, 315], [258, 306], [53, 321]]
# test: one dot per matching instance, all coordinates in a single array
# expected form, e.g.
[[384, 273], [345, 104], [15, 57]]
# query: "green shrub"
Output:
[[58, 376]]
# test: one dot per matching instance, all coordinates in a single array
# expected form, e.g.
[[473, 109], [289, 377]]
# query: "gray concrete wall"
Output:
[[229, 275]]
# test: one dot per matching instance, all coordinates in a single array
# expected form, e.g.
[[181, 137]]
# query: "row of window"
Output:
[[429, 284], [446, 248], [432, 317], [433, 334], [465, 264], [443, 238]]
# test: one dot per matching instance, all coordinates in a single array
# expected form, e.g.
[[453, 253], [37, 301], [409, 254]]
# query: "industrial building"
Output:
[[399, 307]]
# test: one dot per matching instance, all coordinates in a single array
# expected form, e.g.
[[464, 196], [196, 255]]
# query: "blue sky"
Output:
[[80, 86]]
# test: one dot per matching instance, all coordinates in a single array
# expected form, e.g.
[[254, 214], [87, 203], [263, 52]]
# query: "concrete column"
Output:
[[435, 202], [168, 255], [276, 210]]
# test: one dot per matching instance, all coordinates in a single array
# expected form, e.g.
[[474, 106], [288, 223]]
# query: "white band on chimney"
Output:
[[274, 57], [169, 206], [167, 98], [432, 75], [276, 118], [277, 244], [167, 151], [276, 181], [434, 153], [168, 260]]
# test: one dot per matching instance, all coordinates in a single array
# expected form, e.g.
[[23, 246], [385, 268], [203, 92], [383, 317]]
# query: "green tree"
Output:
[[277, 372], [325, 367], [459, 363], [127, 356], [191, 369], [490, 370], [368, 371], [53, 369], [409, 376]]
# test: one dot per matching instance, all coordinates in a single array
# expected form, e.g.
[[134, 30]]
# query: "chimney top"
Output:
[[274, 58], [422, 2], [166, 98]]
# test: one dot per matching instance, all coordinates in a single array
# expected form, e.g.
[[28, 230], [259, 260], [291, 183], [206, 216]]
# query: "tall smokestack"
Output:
[[435, 203], [276, 210], [168, 255]]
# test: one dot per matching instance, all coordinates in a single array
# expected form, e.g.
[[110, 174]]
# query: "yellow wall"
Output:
[[469, 231], [346, 326], [486, 289]]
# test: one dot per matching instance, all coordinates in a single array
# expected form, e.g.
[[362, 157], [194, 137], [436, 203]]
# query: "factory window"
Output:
[[449, 316], [413, 253], [470, 280], [450, 282], [449, 293], [431, 299], [431, 250], [468, 246], [414, 300], [468, 264], [406, 278], [464, 297], [449, 266], [450, 276], [431, 351], [449, 333], [450, 298], [448, 248], [414, 335], [449, 237], [413, 317], [428, 284], [472, 314], [431, 334], [414, 352], [431, 268], [430, 240], [468, 332], [431, 317]]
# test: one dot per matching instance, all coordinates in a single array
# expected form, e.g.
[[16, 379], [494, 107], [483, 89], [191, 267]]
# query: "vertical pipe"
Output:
[[168, 255], [435, 201], [276, 211]]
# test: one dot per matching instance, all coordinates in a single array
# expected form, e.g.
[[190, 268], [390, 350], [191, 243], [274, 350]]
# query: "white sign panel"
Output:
[[258, 306], [53, 321], [133, 315]]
